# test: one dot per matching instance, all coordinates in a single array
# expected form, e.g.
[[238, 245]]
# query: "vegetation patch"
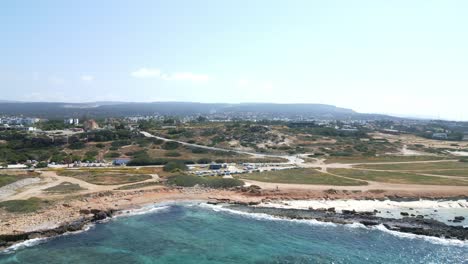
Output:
[[210, 182], [365, 159], [65, 187], [457, 173], [174, 165], [8, 179], [417, 166], [23, 206], [301, 176]]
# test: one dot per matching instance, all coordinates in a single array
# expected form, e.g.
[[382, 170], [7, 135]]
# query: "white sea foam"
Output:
[[144, 210], [24, 244], [261, 216], [434, 240], [368, 205], [87, 227]]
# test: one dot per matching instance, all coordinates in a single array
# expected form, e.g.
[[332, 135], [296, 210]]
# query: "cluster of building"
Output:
[[224, 169], [18, 123], [71, 121]]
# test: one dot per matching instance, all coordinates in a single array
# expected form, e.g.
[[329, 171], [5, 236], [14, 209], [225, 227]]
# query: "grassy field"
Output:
[[360, 159], [23, 206], [397, 177], [417, 166], [7, 179], [65, 187], [301, 176], [105, 177], [458, 173], [210, 182]]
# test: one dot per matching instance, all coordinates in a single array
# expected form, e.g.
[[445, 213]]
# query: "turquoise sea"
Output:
[[189, 233]]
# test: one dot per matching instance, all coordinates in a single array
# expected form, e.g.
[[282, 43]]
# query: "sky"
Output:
[[405, 58]]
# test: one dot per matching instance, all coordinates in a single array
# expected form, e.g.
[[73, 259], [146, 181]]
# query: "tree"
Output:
[[42, 164], [175, 165]]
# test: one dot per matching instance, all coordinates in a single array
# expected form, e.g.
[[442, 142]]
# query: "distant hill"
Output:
[[116, 109]]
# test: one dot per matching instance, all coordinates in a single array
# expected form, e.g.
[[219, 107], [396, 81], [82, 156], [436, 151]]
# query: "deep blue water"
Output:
[[194, 234]]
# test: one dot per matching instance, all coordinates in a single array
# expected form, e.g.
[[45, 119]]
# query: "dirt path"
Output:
[[51, 179]]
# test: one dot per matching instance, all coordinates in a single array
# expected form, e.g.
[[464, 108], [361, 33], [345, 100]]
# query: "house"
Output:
[[215, 166], [439, 136]]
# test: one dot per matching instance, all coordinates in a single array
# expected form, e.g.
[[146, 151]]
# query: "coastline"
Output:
[[76, 214]]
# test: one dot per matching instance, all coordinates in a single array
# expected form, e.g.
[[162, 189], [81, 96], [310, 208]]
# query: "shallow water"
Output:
[[202, 234]]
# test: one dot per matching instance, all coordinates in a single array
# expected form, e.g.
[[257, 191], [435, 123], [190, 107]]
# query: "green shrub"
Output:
[[77, 145], [175, 165], [341, 154], [112, 155], [199, 150], [173, 154], [121, 143], [170, 145], [41, 164], [100, 145], [204, 161]]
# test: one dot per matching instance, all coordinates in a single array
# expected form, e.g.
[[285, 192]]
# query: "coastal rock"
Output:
[[459, 218], [85, 211], [101, 215], [404, 214], [419, 226]]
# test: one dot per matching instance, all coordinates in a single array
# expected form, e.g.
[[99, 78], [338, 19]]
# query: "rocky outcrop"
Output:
[[413, 225], [93, 215]]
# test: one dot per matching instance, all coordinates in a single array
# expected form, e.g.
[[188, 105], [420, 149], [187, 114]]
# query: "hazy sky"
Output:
[[401, 57]]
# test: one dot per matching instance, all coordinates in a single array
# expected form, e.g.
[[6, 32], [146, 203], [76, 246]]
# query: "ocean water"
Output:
[[188, 233]]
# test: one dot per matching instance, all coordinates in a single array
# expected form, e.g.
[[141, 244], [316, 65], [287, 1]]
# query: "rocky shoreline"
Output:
[[84, 217], [92, 216], [413, 225]]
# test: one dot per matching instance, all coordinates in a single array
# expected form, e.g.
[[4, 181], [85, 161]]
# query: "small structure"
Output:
[[121, 161], [439, 136], [215, 166]]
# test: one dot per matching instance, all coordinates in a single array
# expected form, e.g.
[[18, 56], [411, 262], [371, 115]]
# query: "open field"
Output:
[[397, 177], [358, 159], [301, 176], [449, 165], [104, 177]]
